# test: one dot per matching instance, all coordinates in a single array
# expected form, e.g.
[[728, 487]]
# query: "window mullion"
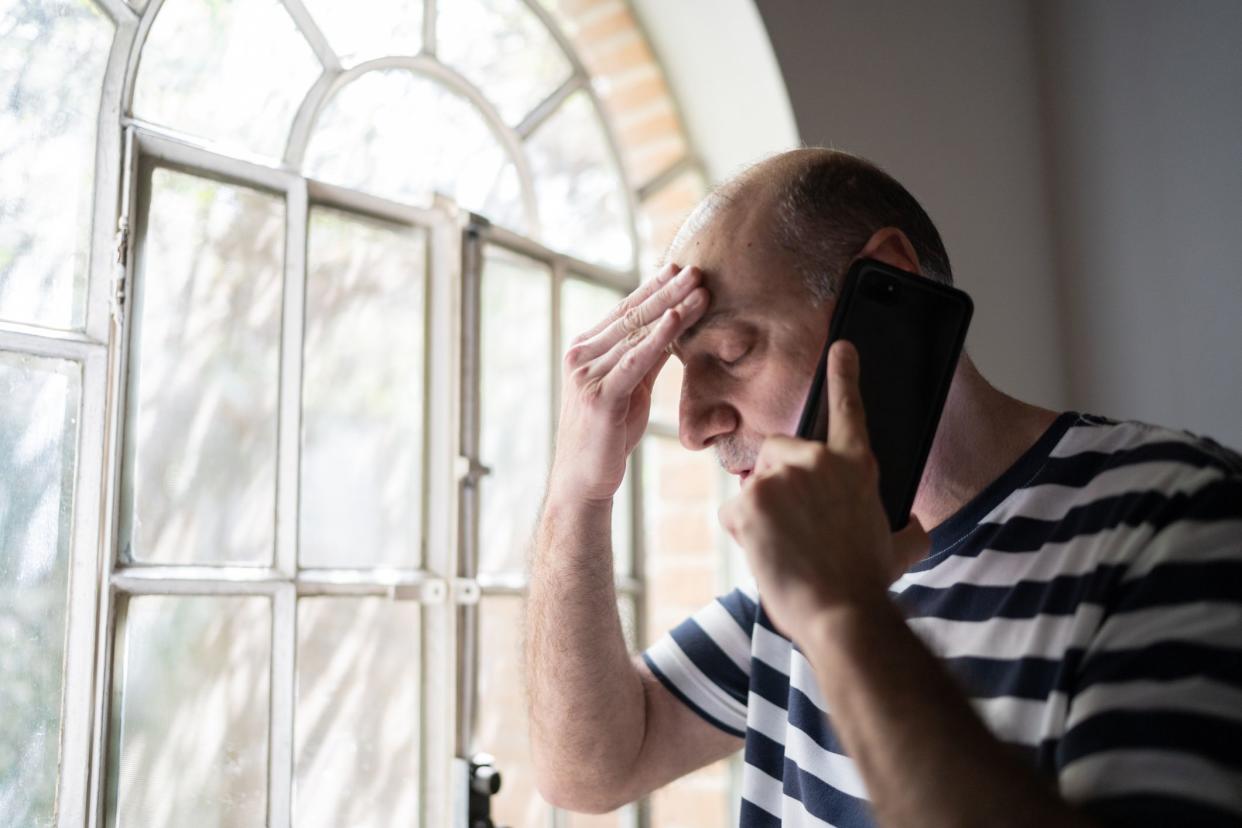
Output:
[[109, 163], [74, 783], [284, 602], [280, 715], [558, 348], [112, 500], [445, 430], [549, 105], [313, 34], [430, 13], [290, 406]]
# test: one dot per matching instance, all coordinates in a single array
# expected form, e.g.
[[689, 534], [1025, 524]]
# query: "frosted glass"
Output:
[[505, 50], [192, 690], [682, 538], [38, 440], [52, 56], [582, 205], [405, 137], [501, 726], [357, 739], [205, 374], [229, 71], [364, 29], [515, 390], [362, 394]]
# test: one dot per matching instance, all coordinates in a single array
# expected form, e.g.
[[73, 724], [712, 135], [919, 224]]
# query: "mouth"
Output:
[[743, 474]]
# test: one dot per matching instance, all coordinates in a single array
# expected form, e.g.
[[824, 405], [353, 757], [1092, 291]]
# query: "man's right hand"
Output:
[[609, 373]]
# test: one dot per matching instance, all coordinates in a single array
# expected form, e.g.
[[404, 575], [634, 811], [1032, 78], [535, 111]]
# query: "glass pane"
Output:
[[584, 304], [501, 727], [680, 500], [52, 56], [364, 29], [582, 206], [661, 216], [231, 71], [626, 817], [505, 50], [362, 394], [515, 390], [705, 797], [357, 716], [204, 374], [404, 137], [38, 453], [192, 701], [681, 494], [666, 395]]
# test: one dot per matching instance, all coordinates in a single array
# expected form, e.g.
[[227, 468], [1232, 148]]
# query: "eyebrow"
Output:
[[713, 318]]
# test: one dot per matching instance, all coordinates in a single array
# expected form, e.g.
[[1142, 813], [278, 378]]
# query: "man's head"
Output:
[[773, 244]]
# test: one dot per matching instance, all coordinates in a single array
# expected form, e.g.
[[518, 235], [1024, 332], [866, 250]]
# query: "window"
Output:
[[310, 413]]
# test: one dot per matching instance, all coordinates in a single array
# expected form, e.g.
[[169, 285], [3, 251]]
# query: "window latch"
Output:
[[484, 783], [120, 263], [470, 471]]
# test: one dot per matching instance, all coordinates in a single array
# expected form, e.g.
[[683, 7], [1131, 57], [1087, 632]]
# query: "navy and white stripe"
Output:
[[1089, 600]]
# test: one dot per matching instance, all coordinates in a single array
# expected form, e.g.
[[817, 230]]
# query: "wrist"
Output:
[[573, 529], [560, 502], [839, 632]]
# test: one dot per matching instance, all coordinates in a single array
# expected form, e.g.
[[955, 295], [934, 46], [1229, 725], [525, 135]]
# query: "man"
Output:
[[1063, 649]]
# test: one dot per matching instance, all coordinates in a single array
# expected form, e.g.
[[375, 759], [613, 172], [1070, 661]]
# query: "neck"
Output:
[[981, 433]]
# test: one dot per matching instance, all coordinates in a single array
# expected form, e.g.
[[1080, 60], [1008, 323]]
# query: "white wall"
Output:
[[720, 67], [944, 96], [1082, 158], [1144, 106]]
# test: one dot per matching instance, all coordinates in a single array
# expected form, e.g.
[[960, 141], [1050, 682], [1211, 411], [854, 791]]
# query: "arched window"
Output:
[[283, 290]]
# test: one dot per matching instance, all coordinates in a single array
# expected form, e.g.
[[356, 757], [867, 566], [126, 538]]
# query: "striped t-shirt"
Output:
[[1088, 601]]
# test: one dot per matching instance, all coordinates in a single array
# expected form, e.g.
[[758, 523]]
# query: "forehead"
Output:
[[733, 243]]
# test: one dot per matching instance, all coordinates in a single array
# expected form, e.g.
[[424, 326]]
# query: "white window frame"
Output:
[[449, 587]]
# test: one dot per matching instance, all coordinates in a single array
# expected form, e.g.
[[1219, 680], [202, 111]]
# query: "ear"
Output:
[[890, 245]]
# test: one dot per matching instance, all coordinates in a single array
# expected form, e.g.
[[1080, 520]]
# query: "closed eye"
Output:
[[730, 363]]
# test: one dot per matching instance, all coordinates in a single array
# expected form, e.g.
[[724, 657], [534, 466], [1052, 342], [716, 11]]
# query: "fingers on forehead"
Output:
[[641, 294]]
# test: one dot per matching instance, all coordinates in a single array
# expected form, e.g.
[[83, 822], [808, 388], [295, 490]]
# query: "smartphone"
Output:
[[909, 332]]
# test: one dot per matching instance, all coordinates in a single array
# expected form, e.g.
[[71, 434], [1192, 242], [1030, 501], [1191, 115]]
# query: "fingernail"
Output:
[[670, 272], [695, 299], [686, 276]]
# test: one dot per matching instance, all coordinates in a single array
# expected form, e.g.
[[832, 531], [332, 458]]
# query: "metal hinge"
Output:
[[470, 471], [120, 268]]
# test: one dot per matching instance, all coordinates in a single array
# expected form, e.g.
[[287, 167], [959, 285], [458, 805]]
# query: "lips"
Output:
[[744, 473]]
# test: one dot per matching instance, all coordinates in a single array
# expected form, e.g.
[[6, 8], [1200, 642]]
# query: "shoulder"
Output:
[[1164, 504], [1113, 443], [1128, 493]]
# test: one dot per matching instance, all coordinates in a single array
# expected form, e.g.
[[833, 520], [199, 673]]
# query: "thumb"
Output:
[[910, 545]]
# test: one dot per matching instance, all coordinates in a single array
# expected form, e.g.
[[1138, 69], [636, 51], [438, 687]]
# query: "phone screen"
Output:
[[909, 333]]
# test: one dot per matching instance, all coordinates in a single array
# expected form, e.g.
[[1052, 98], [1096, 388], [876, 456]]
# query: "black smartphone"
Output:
[[909, 332]]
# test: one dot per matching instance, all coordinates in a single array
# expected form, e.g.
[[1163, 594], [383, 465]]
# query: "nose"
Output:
[[702, 417]]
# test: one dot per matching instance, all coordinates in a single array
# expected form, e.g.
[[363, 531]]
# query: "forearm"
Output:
[[586, 699], [926, 758]]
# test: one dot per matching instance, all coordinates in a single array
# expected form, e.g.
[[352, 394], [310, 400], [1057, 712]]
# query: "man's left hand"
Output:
[[810, 517]]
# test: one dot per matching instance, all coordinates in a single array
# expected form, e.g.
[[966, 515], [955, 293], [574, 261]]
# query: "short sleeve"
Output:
[[1154, 722], [705, 660]]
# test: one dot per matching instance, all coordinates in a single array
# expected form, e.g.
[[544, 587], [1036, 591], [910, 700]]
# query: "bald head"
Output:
[[822, 206]]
